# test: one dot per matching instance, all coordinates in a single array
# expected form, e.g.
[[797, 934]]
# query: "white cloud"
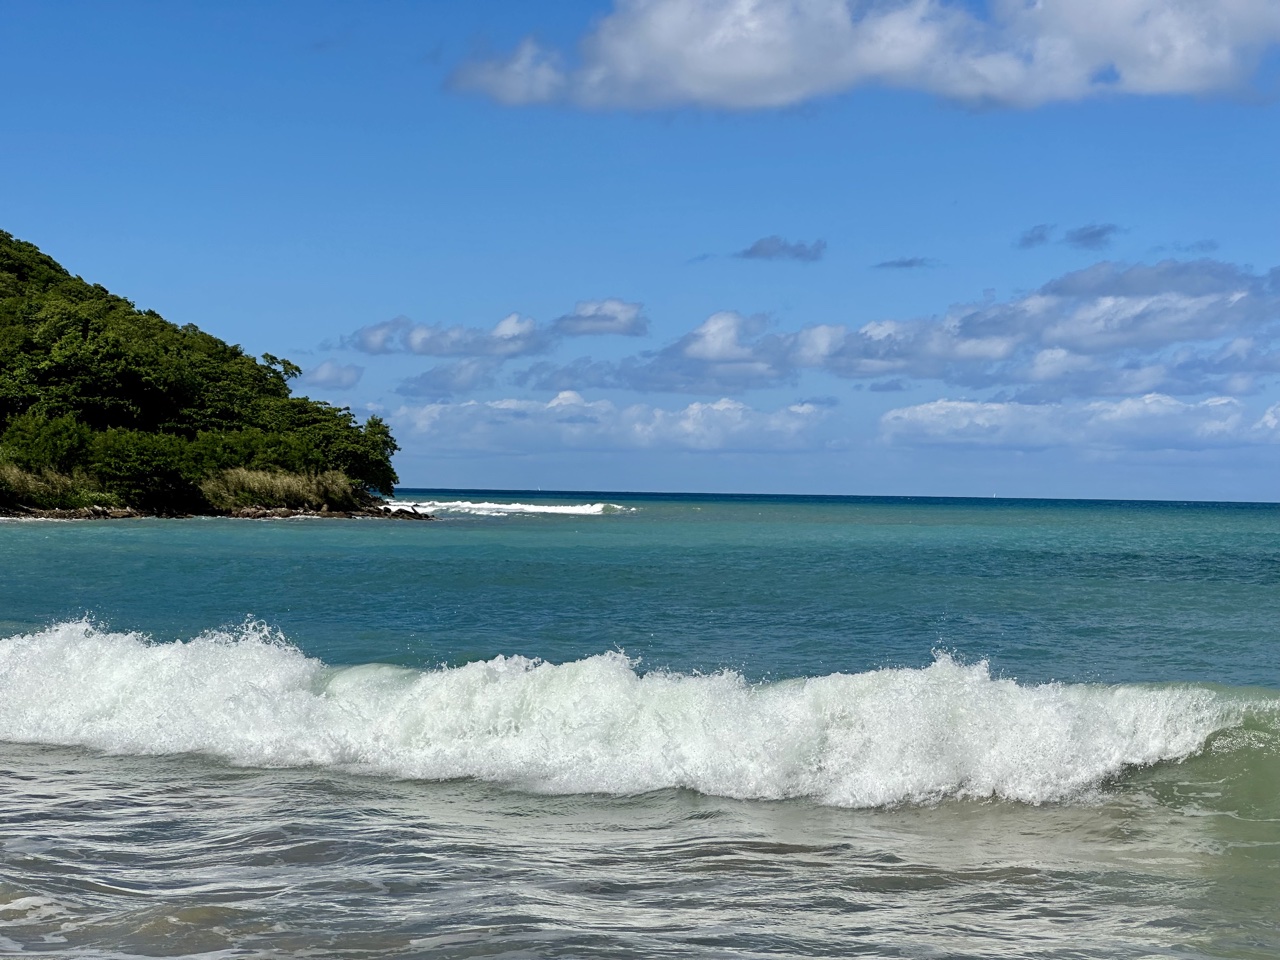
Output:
[[569, 420], [1108, 330], [750, 54], [597, 317], [1180, 327], [1152, 421], [512, 336], [333, 375], [718, 339], [724, 353], [379, 337], [529, 75]]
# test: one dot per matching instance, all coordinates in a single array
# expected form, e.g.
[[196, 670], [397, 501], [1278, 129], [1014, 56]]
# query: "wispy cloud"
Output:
[[582, 373], [570, 421], [603, 317], [906, 263], [764, 54], [381, 337], [1196, 246], [775, 248], [1091, 236], [512, 336], [1036, 236], [447, 379], [1151, 421], [333, 375], [531, 74]]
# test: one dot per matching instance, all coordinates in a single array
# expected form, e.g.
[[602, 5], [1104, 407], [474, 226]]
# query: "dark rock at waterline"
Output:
[[241, 513], [377, 510]]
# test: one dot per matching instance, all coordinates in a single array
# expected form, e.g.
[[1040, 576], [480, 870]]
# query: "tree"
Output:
[[147, 408]]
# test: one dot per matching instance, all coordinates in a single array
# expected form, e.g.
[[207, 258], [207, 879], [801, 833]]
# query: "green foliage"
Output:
[[34, 442], [147, 470], [148, 410]]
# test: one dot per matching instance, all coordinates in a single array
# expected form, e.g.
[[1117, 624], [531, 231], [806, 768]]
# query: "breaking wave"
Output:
[[596, 725], [485, 509]]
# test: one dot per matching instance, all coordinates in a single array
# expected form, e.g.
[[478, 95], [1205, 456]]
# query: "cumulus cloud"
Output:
[[775, 248], [1177, 327], [333, 375], [728, 352], [753, 54], [1091, 236], [1151, 421], [512, 336], [379, 337], [598, 317], [569, 420]]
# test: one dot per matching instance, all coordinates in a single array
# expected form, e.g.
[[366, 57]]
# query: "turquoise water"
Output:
[[614, 724]]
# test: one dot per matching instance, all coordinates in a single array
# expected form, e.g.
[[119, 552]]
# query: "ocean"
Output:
[[642, 725]]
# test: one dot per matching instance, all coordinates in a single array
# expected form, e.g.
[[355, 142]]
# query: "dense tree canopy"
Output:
[[146, 409]]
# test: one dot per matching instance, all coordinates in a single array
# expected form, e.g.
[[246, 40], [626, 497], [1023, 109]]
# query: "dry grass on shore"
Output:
[[48, 490], [225, 492], [237, 488]]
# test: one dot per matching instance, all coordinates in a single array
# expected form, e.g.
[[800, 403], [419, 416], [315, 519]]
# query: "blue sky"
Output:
[[923, 247]]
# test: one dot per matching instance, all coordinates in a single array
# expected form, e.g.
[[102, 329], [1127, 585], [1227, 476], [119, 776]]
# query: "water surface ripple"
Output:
[[643, 726]]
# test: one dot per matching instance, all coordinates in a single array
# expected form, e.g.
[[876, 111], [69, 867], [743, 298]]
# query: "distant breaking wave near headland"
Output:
[[488, 509], [596, 725]]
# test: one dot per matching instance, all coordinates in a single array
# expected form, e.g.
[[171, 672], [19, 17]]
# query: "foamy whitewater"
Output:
[[613, 725], [487, 509], [595, 725]]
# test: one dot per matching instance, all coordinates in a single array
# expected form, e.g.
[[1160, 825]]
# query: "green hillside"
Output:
[[102, 403]]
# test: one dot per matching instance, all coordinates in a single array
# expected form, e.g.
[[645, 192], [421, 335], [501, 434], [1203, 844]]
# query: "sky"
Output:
[[883, 247]]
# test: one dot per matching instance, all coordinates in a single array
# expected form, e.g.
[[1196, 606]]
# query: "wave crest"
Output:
[[596, 725], [486, 509]]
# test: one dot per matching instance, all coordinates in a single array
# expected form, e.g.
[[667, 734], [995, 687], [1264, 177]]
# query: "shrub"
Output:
[[239, 487], [147, 470], [33, 442], [47, 490]]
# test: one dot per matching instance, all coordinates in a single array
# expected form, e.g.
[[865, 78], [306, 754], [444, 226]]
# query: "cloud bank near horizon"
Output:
[[1154, 421], [570, 421], [1110, 354]]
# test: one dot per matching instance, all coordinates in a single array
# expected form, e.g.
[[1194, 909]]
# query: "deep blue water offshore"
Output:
[[604, 724]]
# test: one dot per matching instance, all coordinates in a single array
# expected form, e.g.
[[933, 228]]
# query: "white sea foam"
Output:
[[485, 509], [595, 725]]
